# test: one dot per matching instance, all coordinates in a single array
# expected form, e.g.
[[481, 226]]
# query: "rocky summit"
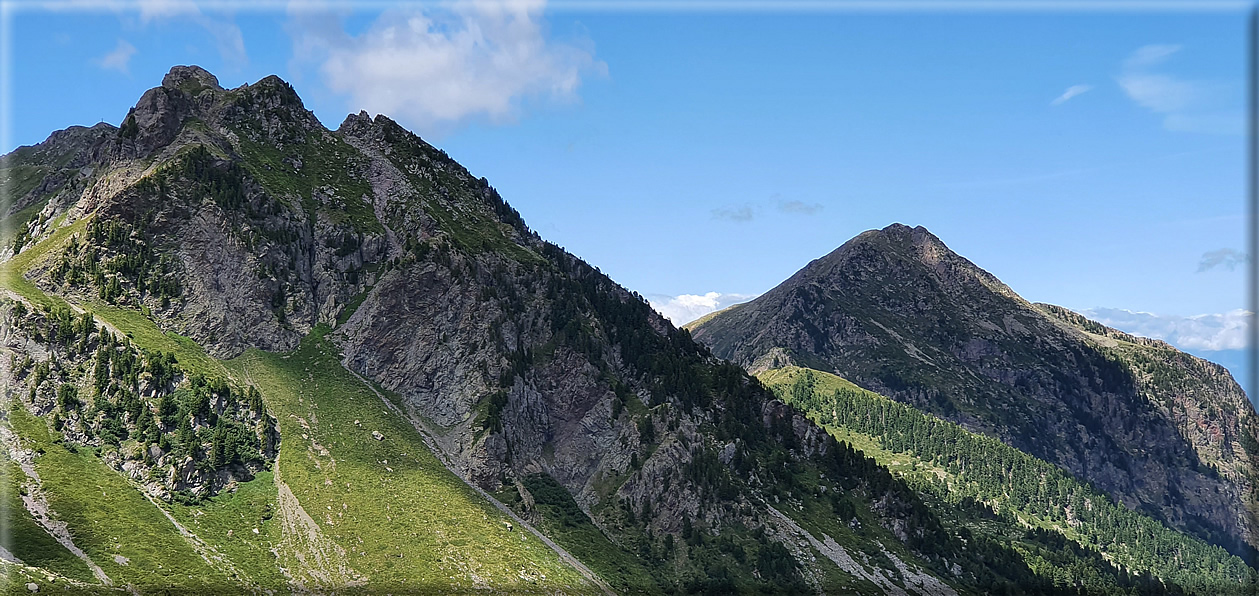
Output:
[[245, 353]]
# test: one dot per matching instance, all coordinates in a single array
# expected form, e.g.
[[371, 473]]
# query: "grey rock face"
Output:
[[186, 76], [259, 273]]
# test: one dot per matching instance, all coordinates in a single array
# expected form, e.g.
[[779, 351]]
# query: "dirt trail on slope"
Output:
[[432, 445]]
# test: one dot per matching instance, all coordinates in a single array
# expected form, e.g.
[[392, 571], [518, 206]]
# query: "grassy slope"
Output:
[[127, 524], [12, 270], [712, 315], [17, 179], [24, 537], [906, 464], [404, 521], [227, 521], [418, 526], [131, 322], [109, 517], [564, 522]]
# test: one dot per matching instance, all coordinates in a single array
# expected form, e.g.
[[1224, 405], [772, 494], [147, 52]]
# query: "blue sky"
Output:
[[1094, 159]]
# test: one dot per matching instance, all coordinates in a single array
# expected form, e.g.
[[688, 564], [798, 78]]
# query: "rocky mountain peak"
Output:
[[353, 121], [274, 86], [916, 242], [181, 77], [886, 259], [157, 118], [361, 126]]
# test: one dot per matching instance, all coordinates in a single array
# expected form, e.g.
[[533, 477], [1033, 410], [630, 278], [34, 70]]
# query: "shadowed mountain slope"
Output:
[[896, 312]]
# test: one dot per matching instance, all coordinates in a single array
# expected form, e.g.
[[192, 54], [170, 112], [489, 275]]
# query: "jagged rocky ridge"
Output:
[[897, 312]]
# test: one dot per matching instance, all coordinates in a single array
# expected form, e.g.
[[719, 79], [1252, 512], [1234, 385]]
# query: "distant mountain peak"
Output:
[[892, 256], [898, 312]]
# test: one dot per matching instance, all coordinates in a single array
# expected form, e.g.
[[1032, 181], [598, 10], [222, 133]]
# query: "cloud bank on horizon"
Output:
[[685, 308], [1209, 332]]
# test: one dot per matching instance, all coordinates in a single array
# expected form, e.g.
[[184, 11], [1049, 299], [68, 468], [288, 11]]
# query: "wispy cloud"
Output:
[[151, 10], [1159, 93], [227, 35], [1072, 91], [119, 58], [435, 66], [1225, 258], [1150, 55], [799, 207], [1185, 105], [687, 307], [739, 214], [749, 211], [1209, 332]]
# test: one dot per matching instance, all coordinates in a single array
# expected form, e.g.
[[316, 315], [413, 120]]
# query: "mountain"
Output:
[[244, 353], [898, 313]]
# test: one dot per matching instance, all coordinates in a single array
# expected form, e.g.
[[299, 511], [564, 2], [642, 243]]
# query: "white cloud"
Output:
[[1150, 55], [1185, 105], [119, 59], [1071, 92], [151, 10], [1209, 332], [227, 38], [749, 211], [434, 67], [1159, 93], [1219, 123], [688, 307]]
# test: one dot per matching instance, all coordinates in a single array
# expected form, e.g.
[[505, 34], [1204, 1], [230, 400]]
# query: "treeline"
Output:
[[987, 470], [104, 391], [122, 266]]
